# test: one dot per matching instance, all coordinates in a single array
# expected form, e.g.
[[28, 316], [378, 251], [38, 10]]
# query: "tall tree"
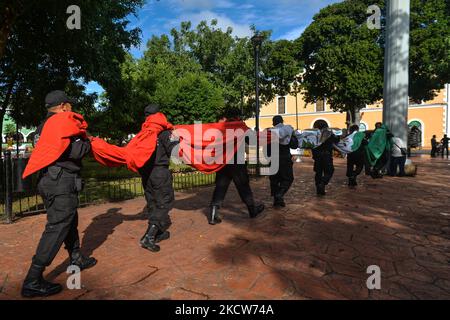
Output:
[[344, 59], [198, 74], [41, 54], [430, 48]]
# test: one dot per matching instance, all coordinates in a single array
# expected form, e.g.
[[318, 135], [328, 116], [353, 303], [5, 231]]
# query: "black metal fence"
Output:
[[19, 198]]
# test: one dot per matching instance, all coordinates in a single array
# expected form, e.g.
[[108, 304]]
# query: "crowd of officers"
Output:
[[60, 183]]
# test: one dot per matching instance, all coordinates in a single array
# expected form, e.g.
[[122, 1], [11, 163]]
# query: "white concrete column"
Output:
[[396, 67]]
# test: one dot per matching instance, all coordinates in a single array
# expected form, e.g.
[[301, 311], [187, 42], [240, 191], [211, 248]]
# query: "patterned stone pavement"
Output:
[[315, 248]]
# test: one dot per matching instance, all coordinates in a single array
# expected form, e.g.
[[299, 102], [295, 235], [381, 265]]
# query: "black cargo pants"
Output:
[[283, 179], [59, 190], [239, 175], [159, 194], [323, 167]]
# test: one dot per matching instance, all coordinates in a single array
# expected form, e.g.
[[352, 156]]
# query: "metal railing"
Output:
[[15, 202]]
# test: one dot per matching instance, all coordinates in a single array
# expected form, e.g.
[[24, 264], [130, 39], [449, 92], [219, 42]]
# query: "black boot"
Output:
[[279, 202], [214, 216], [320, 189], [162, 236], [149, 240], [82, 262], [352, 182], [35, 285], [254, 211]]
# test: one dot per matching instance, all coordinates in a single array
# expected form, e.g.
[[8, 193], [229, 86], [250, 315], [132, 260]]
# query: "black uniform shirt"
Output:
[[71, 159], [164, 147]]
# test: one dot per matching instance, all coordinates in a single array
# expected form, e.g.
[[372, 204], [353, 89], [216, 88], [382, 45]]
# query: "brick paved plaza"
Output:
[[315, 248]]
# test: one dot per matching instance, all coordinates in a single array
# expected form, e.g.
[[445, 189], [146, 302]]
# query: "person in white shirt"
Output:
[[282, 180], [398, 157]]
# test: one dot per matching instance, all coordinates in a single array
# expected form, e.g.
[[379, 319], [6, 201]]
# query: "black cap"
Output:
[[277, 120], [151, 109], [57, 97]]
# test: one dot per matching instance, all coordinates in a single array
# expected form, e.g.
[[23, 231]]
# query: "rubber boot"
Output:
[[214, 216], [149, 240], [35, 285]]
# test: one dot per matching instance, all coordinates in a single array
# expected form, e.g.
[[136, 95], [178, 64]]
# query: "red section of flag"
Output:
[[139, 149], [209, 147], [54, 140]]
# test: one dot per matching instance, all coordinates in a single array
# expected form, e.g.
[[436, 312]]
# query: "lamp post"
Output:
[[257, 40]]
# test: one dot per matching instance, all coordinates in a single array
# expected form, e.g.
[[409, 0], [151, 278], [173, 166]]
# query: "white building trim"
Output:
[[446, 109]]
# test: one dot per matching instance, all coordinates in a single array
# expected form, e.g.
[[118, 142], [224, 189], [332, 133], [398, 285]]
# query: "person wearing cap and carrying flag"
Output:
[[62, 143], [148, 154], [158, 185]]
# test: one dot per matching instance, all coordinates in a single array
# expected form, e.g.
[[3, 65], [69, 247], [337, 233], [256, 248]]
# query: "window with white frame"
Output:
[[281, 105]]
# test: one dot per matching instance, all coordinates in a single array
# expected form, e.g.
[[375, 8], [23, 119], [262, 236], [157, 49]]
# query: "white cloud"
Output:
[[202, 4], [223, 22], [293, 34]]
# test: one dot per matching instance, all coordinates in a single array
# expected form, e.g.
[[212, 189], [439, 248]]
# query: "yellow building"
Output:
[[432, 117]]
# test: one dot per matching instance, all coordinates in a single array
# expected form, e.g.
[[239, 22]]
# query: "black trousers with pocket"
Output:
[[323, 167], [160, 197], [355, 163], [239, 175], [283, 179], [60, 195]]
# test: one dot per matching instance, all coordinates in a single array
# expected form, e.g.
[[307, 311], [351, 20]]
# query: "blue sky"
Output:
[[286, 18]]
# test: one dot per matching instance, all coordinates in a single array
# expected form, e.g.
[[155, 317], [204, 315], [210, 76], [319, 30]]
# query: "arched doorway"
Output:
[[415, 136], [415, 123], [320, 123], [30, 137], [362, 127]]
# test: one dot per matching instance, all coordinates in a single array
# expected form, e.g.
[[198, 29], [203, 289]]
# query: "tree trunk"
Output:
[[2, 116], [357, 116], [8, 16], [353, 117]]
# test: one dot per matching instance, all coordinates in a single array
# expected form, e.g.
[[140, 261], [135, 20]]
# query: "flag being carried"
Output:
[[350, 143], [54, 140]]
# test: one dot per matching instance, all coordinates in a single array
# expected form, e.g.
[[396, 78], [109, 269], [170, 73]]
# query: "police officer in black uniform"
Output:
[[236, 172], [58, 185], [158, 185], [323, 158]]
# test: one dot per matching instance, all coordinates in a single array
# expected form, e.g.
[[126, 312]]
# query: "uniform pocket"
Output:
[[62, 208]]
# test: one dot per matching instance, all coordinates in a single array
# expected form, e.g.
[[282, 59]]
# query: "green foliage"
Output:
[[10, 129], [344, 59], [430, 48], [197, 74], [41, 54]]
